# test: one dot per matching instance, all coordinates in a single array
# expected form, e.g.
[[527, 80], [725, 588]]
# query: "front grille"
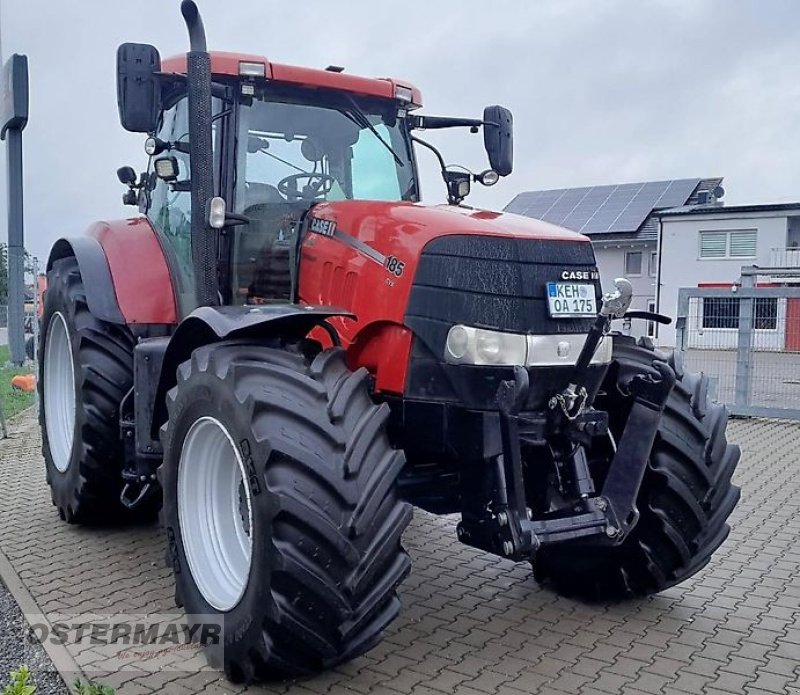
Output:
[[495, 282], [487, 282]]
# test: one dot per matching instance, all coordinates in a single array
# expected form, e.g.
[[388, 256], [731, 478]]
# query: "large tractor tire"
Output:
[[280, 506], [85, 369], [684, 502]]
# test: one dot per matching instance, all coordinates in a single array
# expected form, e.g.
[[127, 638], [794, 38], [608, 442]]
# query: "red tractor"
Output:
[[287, 350]]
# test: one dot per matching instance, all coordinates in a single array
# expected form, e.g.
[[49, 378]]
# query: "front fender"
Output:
[[214, 324]]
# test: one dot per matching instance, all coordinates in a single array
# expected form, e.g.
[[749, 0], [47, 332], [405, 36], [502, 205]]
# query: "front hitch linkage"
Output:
[[510, 530]]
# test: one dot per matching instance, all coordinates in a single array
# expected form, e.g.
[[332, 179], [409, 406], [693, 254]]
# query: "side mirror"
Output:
[[126, 175], [498, 138], [138, 87]]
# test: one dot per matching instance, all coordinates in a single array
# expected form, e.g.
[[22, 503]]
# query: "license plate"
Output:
[[567, 300]]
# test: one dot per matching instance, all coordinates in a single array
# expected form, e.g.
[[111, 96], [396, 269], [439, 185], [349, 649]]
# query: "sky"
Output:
[[602, 91]]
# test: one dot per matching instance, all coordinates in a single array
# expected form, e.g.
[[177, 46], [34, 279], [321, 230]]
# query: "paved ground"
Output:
[[472, 624]]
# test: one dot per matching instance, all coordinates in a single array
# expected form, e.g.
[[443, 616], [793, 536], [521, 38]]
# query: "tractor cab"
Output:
[[283, 140]]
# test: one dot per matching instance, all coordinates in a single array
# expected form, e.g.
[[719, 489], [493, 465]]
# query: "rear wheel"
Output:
[[684, 502], [280, 506], [85, 369]]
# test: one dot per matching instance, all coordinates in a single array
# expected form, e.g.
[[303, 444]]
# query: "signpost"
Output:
[[13, 118]]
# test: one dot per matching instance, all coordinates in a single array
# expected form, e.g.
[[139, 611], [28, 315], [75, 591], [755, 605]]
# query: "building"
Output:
[[621, 221], [707, 246]]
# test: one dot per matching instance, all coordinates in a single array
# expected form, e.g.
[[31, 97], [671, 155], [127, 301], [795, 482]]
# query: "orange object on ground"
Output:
[[24, 382]]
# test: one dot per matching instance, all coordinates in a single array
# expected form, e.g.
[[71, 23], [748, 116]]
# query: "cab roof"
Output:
[[230, 65]]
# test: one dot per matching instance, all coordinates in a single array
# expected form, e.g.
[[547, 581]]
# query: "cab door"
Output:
[[169, 204]]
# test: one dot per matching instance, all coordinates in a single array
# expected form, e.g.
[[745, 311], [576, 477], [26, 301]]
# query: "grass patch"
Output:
[[13, 401]]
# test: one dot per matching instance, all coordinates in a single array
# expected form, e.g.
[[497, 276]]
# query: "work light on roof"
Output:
[[252, 69], [402, 93]]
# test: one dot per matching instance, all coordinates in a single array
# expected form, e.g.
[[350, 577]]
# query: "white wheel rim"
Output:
[[215, 513], [59, 392]]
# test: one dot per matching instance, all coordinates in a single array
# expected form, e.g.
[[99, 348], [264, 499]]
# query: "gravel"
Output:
[[15, 651]]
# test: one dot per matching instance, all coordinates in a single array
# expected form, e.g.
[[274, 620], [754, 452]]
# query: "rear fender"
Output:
[[124, 272], [214, 324]]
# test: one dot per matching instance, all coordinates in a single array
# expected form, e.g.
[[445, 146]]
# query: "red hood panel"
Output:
[[412, 225], [366, 262]]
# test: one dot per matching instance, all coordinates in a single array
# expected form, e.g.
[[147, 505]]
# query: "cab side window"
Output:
[[170, 211]]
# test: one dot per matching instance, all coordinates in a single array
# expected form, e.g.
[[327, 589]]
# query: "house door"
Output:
[[793, 324]]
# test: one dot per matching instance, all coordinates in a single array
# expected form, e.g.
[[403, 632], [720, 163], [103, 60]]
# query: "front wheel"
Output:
[[280, 506], [684, 501]]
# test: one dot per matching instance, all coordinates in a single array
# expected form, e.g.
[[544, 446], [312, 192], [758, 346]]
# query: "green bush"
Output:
[[12, 400], [20, 683], [92, 688]]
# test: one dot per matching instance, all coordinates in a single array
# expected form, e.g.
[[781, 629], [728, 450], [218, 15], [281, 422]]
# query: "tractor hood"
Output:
[[381, 261], [392, 228]]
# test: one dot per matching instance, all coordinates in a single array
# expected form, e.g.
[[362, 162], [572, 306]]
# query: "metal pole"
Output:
[[745, 334], [681, 319], [36, 326], [16, 249]]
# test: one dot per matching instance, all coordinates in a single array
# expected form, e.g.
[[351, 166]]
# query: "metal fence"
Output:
[[748, 343]]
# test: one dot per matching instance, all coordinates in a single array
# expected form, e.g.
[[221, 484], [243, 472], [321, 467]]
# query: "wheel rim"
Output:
[[215, 513], [59, 392]]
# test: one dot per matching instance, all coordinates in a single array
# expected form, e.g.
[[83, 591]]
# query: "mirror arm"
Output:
[[438, 154], [437, 122]]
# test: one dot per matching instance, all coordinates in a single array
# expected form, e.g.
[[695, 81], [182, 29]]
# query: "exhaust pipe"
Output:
[[205, 240]]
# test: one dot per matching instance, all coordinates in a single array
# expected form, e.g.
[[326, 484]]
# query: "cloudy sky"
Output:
[[602, 91]]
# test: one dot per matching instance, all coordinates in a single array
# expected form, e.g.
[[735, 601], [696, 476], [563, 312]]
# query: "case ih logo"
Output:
[[580, 275], [324, 227]]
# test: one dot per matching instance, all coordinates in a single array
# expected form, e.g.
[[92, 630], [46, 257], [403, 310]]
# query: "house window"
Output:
[[720, 312], [653, 264], [723, 312], [740, 243], [633, 263], [651, 325], [765, 310]]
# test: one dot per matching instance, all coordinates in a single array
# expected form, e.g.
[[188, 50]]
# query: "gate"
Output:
[[747, 341]]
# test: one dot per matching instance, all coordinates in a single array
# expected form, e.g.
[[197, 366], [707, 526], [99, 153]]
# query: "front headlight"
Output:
[[481, 347], [468, 345]]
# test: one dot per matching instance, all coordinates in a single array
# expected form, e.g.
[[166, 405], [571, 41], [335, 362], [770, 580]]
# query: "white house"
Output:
[[707, 246], [620, 220]]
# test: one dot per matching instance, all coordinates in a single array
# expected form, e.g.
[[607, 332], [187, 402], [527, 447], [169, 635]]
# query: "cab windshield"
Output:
[[292, 154]]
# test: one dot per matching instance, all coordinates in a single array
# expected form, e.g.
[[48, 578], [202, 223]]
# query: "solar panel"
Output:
[[604, 209], [566, 204]]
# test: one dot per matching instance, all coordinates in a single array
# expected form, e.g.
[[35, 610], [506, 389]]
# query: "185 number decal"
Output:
[[394, 265]]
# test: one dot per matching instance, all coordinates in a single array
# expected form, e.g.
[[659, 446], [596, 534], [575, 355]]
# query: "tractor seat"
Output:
[[261, 194], [267, 243]]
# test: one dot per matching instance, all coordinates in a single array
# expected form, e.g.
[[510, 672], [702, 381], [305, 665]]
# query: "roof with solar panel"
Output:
[[618, 211]]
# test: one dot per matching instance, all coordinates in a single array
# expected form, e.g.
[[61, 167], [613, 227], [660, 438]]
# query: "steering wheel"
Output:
[[318, 184]]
